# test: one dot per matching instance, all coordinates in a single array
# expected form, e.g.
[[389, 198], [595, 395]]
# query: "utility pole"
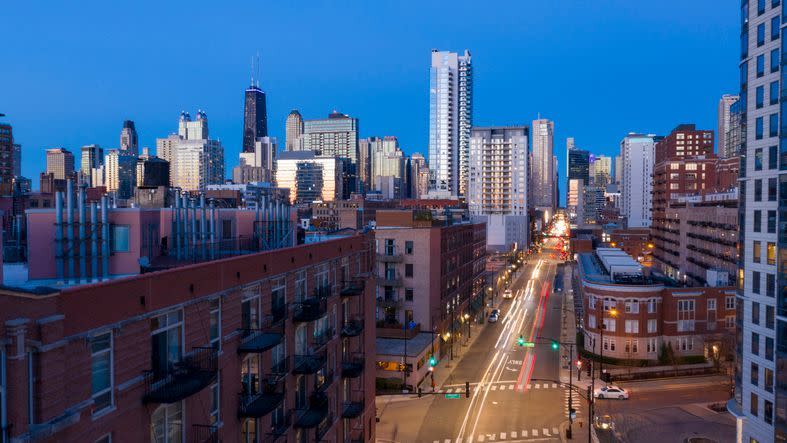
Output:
[[570, 389]]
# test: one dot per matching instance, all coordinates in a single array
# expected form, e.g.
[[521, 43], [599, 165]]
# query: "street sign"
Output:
[[453, 396], [529, 344]]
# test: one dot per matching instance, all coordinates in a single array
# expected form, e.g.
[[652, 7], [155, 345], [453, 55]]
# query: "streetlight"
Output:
[[467, 320], [614, 314]]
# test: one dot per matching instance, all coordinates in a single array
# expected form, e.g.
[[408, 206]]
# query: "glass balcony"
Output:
[[259, 404], [352, 365], [193, 373]]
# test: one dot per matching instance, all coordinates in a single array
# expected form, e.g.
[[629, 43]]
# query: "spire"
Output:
[[258, 69]]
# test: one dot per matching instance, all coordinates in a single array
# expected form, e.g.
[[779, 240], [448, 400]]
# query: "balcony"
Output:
[[352, 409], [314, 413], [389, 279], [281, 368], [309, 309], [279, 429], [352, 328], [264, 402], [324, 381], [309, 364], [205, 434], [264, 338], [390, 257], [193, 373], [322, 338], [353, 289], [389, 302], [353, 365]]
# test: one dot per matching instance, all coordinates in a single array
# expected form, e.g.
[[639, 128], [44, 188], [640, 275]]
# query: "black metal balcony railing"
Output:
[[205, 434], [314, 413], [322, 338], [389, 279], [310, 309], [279, 427], [309, 364], [352, 328], [352, 409], [259, 404], [193, 373], [353, 289], [391, 257], [324, 426], [324, 381], [389, 301], [267, 336], [281, 367], [352, 365]]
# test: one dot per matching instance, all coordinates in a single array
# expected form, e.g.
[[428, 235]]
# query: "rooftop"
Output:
[[396, 346]]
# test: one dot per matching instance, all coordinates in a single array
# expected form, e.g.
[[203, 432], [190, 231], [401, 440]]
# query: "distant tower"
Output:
[[294, 131], [128, 138], [255, 113]]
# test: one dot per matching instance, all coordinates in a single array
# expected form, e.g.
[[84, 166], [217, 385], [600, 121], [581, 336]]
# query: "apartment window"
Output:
[[770, 285], [652, 326], [632, 326], [215, 323], [760, 65], [773, 125], [755, 313], [775, 3], [101, 370], [755, 282], [390, 249], [119, 238], [773, 155], [755, 374], [774, 60], [767, 411], [651, 347], [756, 251], [408, 294], [729, 302], [167, 340], [592, 302], [592, 321], [774, 94], [768, 379], [757, 224], [408, 247], [729, 321], [754, 403], [771, 222], [408, 270], [300, 285], [770, 316], [631, 347], [758, 159], [760, 34], [772, 189], [609, 344], [711, 304], [632, 307], [248, 431], [685, 343], [771, 253], [775, 24], [769, 348], [215, 401], [226, 229], [609, 303], [609, 324], [758, 128], [685, 315], [250, 311], [166, 423], [760, 7], [651, 306], [755, 343]]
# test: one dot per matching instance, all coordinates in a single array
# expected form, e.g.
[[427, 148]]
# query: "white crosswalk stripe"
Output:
[[535, 432], [502, 436], [524, 433], [494, 387], [510, 386], [537, 386], [447, 440], [555, 431], [554, 385], [546, 432], [513, 434]]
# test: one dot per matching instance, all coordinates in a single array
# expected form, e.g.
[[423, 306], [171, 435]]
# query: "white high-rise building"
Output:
[[195, 160], [450, 121], [543, 167], [92, 160], [294, 131], [601, 170], [120, 172], [618, 169], [388, 166], [725, 148], [760, 396], [497, 187], [637, 153], [257, 166]]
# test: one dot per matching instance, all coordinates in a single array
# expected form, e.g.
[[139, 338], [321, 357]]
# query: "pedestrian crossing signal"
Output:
[[432, 361], [521, 341]]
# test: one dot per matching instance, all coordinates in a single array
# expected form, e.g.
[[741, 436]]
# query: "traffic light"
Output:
[[579, 364], [555, 345], [588, 369], [432, 361], [521, 340]]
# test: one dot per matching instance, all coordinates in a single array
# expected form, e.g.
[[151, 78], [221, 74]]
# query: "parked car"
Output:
[[508, 294], [604, 423], [492, 317], [611, 391]]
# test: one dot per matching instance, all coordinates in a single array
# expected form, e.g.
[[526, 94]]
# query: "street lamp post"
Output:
[[467, 320]]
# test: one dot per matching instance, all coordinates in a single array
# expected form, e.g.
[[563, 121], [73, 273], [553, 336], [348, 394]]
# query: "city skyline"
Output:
[[152, 100]]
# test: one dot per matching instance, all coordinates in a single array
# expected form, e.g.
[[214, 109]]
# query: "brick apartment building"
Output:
[[641, 314], [430, 284], [272, 347]]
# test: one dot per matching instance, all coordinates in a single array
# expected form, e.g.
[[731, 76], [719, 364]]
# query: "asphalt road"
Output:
[[515, 391]]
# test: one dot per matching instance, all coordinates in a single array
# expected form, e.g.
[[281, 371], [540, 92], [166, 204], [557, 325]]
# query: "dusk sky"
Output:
[[72, 72]]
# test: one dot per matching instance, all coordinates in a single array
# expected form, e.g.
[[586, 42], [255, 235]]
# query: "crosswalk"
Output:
[[576, 403], [522, 434], [501, 387]]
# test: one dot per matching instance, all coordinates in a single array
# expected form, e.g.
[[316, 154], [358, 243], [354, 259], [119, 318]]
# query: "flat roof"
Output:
[[395, 346]]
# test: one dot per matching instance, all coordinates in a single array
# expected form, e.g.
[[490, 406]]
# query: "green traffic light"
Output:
[[432, 361], [555, 345], [521, 341]]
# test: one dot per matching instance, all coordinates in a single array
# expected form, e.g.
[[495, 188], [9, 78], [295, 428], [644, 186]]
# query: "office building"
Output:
[[450, 121], [637, 157], [579, 165], [498, 184], [165, 150], [195, 160], [280, 348], [16, 157], [8, 163], [335, 136], [365, 148], [726, 145], [91, 161], [543, 168], [255, 116], [419, 176], [310, 178], [601, 170], [120, 172], [294, 131], [418, 292], [762, 279], [60, 163], [618, 170], [388, 167], [258, 165], [128, 138]]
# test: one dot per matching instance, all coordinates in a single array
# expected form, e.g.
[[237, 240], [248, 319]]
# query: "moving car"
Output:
[[604, 423], [508, 294], [493, 317], [611, 391]]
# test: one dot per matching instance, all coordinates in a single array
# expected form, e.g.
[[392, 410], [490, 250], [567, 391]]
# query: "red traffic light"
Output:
[[579, 363]]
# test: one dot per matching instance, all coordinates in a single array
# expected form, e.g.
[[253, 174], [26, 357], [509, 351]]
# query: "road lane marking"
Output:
[[546, 432], [513, 434], [555, 431], [511, 387], [535, 432], [502, 436], [554, 385], [524, 433]]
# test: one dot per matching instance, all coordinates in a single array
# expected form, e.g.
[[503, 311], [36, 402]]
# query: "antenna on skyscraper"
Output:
[[258, 69], [252, 71]]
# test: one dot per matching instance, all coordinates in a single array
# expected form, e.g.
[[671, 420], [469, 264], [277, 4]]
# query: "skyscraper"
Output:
[[128, 138], [618, 169], [257, 166], [120, 172], [7, 164], [450, 121], [494, 198], [92, 160], [293, 131], [365, 162], [388, 167], [255, 116], [637, 153], [419, 175], [60, 162], [542, 169], [601, 170], [195, 160], [725, 115], [579, 165], [335, 136], [760, 393]]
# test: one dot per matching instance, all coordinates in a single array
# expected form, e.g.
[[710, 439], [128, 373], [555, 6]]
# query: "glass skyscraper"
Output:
[[255, 117]]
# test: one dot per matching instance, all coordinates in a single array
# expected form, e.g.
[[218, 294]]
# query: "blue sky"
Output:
[[72, 72]]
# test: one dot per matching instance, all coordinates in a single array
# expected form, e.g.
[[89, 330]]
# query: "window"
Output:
[[685, 343], [631, 347], [408, 247], [760, 65], [652, 326], [774, 94], [592, 302], [767, 411], [250, 310], [215, 401], [755, 343], [755, 374], [769, 316], [119, 238], [773, 156], [632, 307], [651, 306], [248, 431], [755, 313], [408, 270], [760, 34], [592, 321], [300, 285], [609, 303], [632, 326], [651, 347], [101, 370], [758, 190], [774, 60], [757, 223], [711, 304], [760, 7], [768, 379], [758, 159], [609, 324], [408, 294], [756, 251], [771, 253], [167, 340], [166, 424], [770, 285], [769, 348], [215, 323], [771, 222], [685, 315], [755, 282], [758, 128], [753, 405], [226, 229], [729, 302], [775, 24], [773, 125], [772, 189]]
